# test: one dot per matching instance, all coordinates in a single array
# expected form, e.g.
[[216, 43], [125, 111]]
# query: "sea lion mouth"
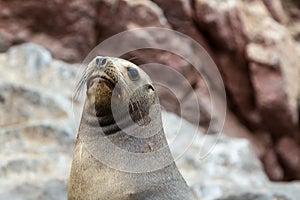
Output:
[[101, 78]]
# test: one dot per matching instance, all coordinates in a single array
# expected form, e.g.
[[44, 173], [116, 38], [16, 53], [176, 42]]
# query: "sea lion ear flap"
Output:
[[150, 87], [151, 94], [140, 104]]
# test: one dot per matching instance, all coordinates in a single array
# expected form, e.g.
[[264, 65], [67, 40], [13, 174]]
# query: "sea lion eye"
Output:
[[133, 73]]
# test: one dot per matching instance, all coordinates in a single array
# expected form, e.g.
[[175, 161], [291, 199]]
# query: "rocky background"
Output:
[[38, 130], [255, 44]]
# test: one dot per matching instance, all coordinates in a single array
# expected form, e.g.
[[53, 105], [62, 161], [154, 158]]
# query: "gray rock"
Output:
[[31, 57], [219, 167], [209, 156], [251, 196], [291, 190], [20, 105], [54, 190], [25, 191], [37, 125]]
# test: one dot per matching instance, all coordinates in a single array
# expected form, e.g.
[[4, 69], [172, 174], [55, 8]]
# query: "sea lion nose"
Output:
[[101, 61]]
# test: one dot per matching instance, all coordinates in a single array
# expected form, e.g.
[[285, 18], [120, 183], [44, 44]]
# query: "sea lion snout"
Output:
[[102, 70], [101, 61], [98, 78], [118, 83]]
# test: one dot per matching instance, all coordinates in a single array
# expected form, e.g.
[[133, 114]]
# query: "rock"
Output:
[[249, 196], [223, 23], [219, 167], [114, 17], [240, 93], [233, 128], [102, 20], [277, 11], [37, 131], [66, 28], [290, 191], [276, 41], [293, 9], [23, 192], [259, 59], [180, 17], [31, 157], [268, 84], [36, 153], [53, 189], [33, 58], [237, 34], [289, 155], [204, 160], [196, 106], [262, 55], [254, 43], [38, 106], [218, 16], [37, 68], [272, 165]]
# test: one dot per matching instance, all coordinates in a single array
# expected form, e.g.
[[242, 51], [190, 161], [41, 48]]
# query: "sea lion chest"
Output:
[[91, 179]]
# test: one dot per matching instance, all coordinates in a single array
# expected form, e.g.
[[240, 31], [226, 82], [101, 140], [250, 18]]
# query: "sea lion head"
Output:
[[117, 88], [121, 118]]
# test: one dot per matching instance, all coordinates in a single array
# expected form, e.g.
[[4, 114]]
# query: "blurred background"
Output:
[[254, 43]]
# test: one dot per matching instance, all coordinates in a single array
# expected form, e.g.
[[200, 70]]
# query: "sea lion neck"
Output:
[[103, 121]]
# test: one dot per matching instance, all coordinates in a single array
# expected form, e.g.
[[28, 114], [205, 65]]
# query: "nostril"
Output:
[[100, 61], [103, 61]]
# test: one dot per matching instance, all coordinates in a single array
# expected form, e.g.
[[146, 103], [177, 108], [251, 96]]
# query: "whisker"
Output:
[[133, 58], [80, 85]]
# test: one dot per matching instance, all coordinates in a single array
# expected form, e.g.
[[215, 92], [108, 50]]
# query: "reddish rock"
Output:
[[116, 16], [288, 151], [292, 9], [277, 11], [268, 155], [234, 128], [196, 106], [254, 43], [263, 142], [225, 29], [259, 64], [68, 25], [271, 99], [223, 26], [272, 166], [180, 17], [239, 89]]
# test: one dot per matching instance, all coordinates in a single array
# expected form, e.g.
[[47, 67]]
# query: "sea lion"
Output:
[[121, 151]]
